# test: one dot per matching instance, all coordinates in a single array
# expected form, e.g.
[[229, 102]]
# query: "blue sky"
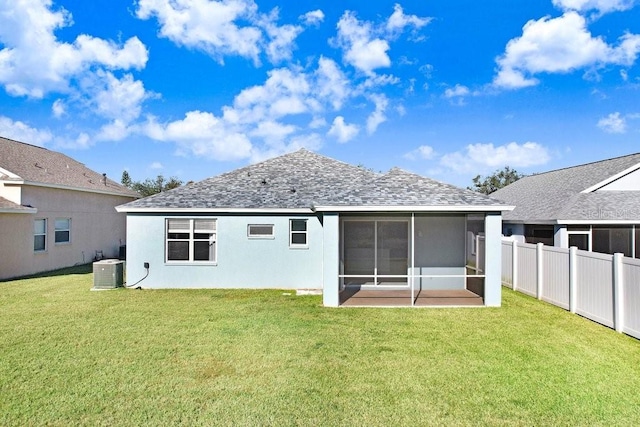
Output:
[[193, 88]]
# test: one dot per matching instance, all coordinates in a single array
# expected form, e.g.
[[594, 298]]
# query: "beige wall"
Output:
[[95, 225]]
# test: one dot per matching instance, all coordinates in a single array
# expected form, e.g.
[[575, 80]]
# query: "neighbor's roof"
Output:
[[570, 194], [7, 206], [20, 162], [306, 180]]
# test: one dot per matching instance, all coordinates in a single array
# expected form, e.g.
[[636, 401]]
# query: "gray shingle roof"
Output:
[[402, 188], [9, 206], [304, 179], [556, 195], [37, 164]]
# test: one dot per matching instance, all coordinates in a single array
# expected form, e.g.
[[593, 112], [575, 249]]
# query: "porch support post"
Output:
[[493, 259], [331, 260], [413, 258]]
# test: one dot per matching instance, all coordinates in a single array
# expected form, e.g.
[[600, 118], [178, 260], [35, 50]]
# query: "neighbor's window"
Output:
[[298, 233], [260, 231], [40, 235], [63, 230], [191, 240]]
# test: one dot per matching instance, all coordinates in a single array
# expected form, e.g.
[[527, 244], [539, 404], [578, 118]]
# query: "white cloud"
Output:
[[21, 131], [223, 27], [377, 117], [58, 108], [314, 17], [559, 45], [613, 123], [342, 131], [116, 130], [210, 26], [457, 91], [602, 6], [33, 62], [156, 165], [114, 98], [365, 45], [361, 49], [477, 158], [281, 43], [202, 134], [423, 152], [332, 84], [398, 21]]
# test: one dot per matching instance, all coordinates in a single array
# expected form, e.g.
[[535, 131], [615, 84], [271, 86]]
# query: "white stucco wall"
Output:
[[95, 225], [242, 262]]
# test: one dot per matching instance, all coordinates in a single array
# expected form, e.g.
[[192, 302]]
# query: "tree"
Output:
[[495, 181], [149, 187], [126, 179]]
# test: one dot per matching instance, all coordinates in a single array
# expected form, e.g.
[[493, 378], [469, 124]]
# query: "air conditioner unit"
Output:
[[108, 274]]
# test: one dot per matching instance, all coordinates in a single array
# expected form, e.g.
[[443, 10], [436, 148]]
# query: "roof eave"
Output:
[[72, 188], [126, 209], [420, 208], [24, 210], [597, 221]]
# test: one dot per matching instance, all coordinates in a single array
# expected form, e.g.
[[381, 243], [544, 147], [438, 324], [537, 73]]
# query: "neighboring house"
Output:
[[305, 221], [54, 211], [594, 207]]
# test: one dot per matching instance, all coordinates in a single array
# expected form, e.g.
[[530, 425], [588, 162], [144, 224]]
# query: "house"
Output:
[[54, 211], [595, 207], [305, 221]]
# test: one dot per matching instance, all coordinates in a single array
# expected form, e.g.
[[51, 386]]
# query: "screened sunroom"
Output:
[[411, 259]]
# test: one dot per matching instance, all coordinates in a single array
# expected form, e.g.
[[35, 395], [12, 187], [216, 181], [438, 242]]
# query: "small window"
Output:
[[298, 233], [191, 240], [40, 235], [63, 230], [260, 231]]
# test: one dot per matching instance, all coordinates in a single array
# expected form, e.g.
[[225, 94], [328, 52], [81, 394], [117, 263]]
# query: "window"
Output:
[[63, 230], [40, 235], [610, 240], [539, 234], [260, 231], [191, 240], [298, 233]]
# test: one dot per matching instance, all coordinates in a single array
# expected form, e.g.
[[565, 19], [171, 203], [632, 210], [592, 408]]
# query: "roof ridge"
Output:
[[26, 143]]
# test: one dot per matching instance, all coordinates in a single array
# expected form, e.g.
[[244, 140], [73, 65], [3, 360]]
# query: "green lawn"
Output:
[[69, 356]]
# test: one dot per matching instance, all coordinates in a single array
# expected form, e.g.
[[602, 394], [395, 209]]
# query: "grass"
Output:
[[69, 356]]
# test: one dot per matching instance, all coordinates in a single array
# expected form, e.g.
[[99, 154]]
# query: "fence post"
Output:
[[573, 278], [514, 266], [618, 284], [539, 270]]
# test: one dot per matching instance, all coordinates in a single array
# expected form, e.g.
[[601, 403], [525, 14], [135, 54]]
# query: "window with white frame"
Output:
[[298, 233], [40, 235], [191, 240], [260, 231], [63, 230]]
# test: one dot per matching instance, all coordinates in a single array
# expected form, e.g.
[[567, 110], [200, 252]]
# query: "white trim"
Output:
[[123, 208], [26, 210], [611, 179], [9, 174], [599, 222], [422, 208], [311, 210]]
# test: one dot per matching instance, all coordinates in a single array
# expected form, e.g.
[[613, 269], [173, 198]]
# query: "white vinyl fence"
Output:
[[600, 287]]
